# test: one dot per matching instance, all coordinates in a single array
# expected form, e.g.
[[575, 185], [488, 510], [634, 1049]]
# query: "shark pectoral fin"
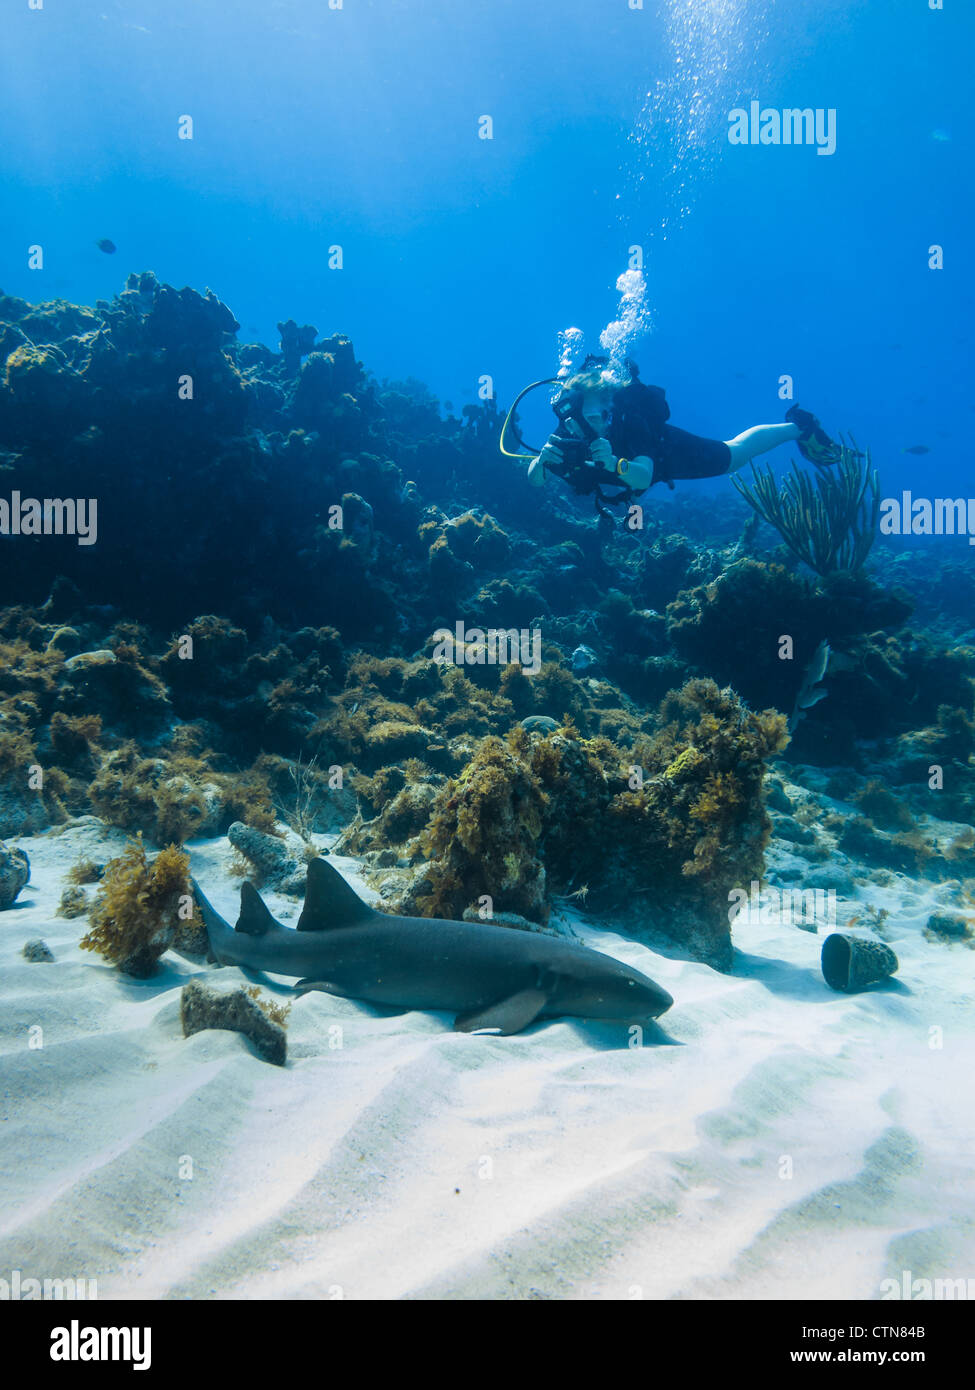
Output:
[[509, 1015], [306, 985]]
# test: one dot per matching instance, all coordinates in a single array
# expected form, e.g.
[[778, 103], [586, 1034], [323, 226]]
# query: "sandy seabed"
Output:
[[771, 1139]]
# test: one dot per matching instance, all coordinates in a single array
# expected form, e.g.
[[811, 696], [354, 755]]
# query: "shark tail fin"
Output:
[[211, 918], [255, 917], [214, 923], [329, 900]]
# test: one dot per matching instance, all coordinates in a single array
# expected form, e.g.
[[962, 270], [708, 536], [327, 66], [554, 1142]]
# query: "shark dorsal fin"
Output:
[[255, 918], [329, 900]]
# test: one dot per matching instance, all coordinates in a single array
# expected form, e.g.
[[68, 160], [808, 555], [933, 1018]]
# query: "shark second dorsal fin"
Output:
[[255, 918], [329, 900]]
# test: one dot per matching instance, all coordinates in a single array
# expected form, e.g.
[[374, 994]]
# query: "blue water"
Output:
[[464, 257]]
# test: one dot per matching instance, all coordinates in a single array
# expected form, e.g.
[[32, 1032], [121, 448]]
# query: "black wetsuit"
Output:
[[639, 426]]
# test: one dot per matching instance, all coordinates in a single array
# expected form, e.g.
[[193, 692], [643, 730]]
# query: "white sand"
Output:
[[415, 1162]]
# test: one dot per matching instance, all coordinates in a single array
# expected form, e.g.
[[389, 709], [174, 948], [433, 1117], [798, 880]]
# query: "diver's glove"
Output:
[[550, 457], [602, 455]]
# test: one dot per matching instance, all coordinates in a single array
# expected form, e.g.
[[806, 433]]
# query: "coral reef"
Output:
[[698, 827], [337, 523], [681, 817], [766, 604], [483, 835], [880, 805]]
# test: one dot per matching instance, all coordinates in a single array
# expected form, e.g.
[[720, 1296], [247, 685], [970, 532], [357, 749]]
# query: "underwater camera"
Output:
[[574, 439], [577, 434], [575, 445], [568, 408]]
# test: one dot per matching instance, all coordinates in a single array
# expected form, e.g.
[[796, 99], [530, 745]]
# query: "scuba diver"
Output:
[[614, 435]]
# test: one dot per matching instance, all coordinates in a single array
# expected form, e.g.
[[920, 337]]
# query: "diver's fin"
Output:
[[508, 1015], [255, 917], [814, 443], [329, 900]]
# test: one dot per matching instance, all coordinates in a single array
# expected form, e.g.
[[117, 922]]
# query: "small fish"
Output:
[[809, 692], [840, 661], [917, 449], [817, 666], [942, 136], [107, 246]]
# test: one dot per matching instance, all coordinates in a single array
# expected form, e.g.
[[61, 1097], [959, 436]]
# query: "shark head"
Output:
[[621, 994]]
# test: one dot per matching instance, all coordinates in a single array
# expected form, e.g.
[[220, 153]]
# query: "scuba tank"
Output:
[[639, 414]]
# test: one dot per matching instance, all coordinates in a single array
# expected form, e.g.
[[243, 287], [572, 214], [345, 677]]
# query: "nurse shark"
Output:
[[492, 978]]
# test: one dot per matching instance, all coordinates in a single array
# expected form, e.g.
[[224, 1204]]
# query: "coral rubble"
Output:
[[237, 1010], [14, 874]]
